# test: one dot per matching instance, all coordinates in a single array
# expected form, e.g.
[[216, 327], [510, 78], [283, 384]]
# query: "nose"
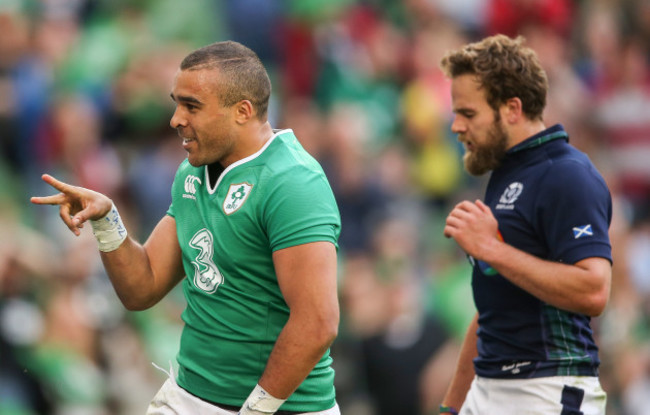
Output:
[[177, 119], [458, 126]]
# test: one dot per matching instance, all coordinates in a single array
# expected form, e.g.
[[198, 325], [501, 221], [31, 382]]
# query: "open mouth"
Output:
[[187, 142]]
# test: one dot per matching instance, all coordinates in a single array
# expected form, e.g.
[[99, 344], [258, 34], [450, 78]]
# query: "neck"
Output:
[[258, 137], [264, 133], [521, 132], [250, 141]]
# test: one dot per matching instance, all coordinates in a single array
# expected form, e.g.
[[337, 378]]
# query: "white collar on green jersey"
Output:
[[211, 189]]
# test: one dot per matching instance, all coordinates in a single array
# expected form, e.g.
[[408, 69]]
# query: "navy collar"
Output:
[[550, 134]]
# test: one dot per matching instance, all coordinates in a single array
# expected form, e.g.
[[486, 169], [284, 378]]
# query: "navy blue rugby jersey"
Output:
[[551, 202]]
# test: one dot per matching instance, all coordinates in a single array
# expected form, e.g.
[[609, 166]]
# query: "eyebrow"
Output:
[[185, 99], [463, 110]]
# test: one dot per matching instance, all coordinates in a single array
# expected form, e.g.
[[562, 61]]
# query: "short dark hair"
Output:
[[242, 73], [505, 68]]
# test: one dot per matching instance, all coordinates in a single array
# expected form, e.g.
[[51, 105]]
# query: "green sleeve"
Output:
[[301, 208]]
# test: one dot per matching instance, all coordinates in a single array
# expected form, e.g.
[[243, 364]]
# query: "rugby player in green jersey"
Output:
[[252, 234]]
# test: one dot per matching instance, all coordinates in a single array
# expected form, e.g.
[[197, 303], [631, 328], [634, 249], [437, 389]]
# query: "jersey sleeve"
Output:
[[575, 213], [175, 190], [300, 208]]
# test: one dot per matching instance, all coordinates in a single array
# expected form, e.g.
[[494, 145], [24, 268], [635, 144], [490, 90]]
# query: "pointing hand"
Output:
[[76, 204]]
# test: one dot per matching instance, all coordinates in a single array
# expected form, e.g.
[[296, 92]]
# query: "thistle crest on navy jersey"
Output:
[[510, 195], [236, 196]]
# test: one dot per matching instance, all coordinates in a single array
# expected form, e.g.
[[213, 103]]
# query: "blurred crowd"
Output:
[[84, 96]]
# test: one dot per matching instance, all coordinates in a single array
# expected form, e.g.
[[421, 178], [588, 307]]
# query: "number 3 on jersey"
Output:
[[206, 274]]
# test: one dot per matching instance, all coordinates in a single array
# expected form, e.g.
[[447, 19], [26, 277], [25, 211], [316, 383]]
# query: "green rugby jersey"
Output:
[[276, 198]]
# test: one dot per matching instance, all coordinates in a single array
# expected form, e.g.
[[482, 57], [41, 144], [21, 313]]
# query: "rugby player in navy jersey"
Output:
[[538, 243]]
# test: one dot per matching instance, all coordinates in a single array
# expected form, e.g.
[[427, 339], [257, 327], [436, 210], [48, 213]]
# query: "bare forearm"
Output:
[[566, 286], [143, 274], [298, 349], [130, 272], [464, 374]]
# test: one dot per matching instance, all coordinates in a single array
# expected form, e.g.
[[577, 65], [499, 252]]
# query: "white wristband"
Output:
[[260, 402], [109, 230]]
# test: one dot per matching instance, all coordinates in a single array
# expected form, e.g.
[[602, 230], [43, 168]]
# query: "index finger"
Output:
[[483, 207], [57, 184], [465, 207]]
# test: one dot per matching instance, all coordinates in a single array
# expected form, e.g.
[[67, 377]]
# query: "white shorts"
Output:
[[171, 399], [556, 395]]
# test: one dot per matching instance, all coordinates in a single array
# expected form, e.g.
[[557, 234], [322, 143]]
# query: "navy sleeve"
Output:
[[575, 211]]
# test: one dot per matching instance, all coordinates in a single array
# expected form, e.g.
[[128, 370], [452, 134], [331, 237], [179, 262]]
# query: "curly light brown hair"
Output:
[[505, 69]]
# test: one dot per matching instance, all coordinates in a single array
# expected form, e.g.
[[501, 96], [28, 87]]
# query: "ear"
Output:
[[512, 111], [244, 111]]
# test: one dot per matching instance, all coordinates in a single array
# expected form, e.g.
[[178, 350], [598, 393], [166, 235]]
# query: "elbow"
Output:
[[333, 332], [600, 298], [135, 304], [595, 296], [597, 304], [134, 307], [591, 305], [318, 326], [327, 329]]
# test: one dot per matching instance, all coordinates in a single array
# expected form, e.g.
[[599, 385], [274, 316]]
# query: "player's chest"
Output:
[[513, 201], [231, 208]]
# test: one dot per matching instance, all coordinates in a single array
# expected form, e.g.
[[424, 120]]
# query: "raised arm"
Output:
[[140, 274], [581, 288]]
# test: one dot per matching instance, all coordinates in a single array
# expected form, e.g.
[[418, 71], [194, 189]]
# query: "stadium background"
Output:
[[84, 88]]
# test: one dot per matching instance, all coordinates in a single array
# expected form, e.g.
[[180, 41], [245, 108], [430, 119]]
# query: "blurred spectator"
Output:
[[622, 112], [426, 106], [150, 177], [399, 342], [359, 198], [509, 17]]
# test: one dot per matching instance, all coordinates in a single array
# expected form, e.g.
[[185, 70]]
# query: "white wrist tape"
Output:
[[261, 402], [109, 230]]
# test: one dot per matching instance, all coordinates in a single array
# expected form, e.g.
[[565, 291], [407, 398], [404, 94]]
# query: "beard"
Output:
[[488, 156]]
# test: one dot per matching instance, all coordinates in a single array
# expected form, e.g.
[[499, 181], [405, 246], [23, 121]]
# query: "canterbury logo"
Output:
[[190, 184]]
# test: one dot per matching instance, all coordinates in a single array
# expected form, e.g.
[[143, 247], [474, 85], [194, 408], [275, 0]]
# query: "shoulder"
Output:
[[288, 162], [293, 179], [185, 166], [572, 169], [572, 185]]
